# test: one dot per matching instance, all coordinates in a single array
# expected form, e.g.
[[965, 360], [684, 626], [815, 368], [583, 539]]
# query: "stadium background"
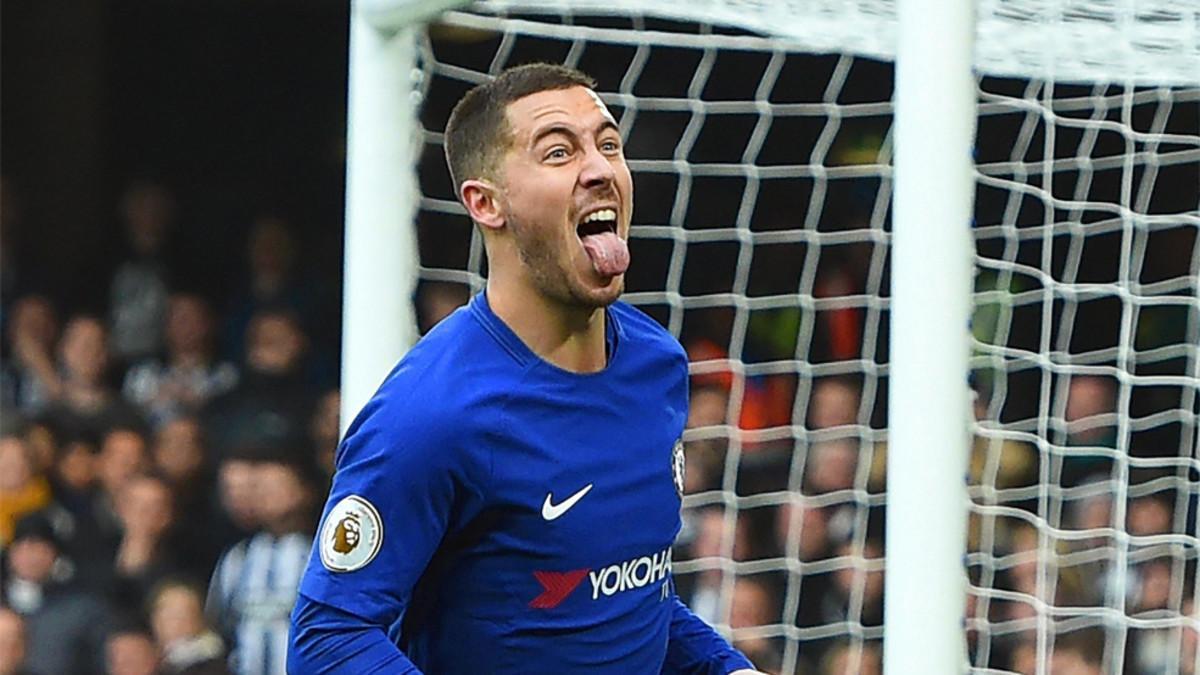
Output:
[[224, 124]]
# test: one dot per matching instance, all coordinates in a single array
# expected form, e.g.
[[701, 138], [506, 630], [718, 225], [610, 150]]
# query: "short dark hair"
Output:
[[478, 133]]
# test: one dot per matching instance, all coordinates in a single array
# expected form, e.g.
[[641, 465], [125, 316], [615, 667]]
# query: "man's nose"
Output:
[[597, 169]]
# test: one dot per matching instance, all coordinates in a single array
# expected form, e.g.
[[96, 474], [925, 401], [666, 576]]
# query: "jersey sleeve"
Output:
[[404, 479], [694, 648], [327, 641]]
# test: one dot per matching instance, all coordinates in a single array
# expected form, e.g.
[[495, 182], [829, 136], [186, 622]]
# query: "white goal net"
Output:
[[759, 135]]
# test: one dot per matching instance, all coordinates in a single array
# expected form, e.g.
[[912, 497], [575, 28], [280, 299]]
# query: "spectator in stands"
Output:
[[808, 523], [803, 519], [707, 538], [145, 555], [271, 283], [1149, 515], [838, 330], [74, 511], [179, 452], [42, 439], [73, 473], [766, 401], [831, 466], [256, 582], [705, 456], [1151, 587], [66, 624], [236, 494], [189, 375], [123, 455], [86, 400], [12, 643], [29, 380], [1090, 417], [1091, 513], [1091, 403], [272, 403], [22, 489], [755, 603], [181, 458], [187, 644], [1000, 463], [1022, 542], [834, 402], [138, 292], [849, 578], [701, 590], [131, 651]]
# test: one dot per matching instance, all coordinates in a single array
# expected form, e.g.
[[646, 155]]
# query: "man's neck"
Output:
[[567, 336]]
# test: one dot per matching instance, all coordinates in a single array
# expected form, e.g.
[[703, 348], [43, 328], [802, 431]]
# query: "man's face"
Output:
[[144, 506], [122, 456], [566, 163], [280, 492], [188, 324], [178, 451], [276, 344], [177, 614], [236, 483], [85, 349], [131, 654], [32, 559]]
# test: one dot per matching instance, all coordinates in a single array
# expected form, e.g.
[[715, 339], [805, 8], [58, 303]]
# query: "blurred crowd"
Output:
[[787, 541], [163, 458]]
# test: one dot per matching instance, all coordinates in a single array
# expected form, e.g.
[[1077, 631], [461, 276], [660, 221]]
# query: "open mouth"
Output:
[[598, 222], [604, 247]]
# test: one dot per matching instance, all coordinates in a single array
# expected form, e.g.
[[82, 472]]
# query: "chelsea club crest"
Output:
[[677, 466]]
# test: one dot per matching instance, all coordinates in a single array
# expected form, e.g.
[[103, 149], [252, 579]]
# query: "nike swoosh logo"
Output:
[[550, 511]]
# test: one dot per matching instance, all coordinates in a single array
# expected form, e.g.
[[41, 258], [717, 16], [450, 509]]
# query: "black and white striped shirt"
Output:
[[251, 596]]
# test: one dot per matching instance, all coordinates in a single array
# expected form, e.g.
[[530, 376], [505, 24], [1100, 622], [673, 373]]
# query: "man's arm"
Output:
[[326, 640], [694, 648], [400, 477]]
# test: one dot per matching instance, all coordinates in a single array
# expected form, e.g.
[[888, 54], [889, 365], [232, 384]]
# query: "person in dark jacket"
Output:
[[66, 626]]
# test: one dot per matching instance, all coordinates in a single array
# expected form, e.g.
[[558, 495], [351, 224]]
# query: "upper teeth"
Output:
[[602, 214]]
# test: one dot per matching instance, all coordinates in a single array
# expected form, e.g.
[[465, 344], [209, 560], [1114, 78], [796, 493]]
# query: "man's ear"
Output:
[[482, 200]]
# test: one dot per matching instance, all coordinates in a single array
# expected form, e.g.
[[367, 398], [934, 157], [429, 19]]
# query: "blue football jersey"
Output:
[[493, 513]]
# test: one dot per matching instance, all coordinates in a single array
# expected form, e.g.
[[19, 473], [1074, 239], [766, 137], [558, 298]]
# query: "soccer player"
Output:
[[507, 501]]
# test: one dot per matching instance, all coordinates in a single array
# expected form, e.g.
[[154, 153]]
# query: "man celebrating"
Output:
[[507, 501]]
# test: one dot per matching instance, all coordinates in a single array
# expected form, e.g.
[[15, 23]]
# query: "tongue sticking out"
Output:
[[609, 253]]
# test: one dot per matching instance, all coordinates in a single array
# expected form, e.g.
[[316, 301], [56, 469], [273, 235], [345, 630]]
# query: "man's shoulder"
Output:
[[457, 358], [442, 386], [638, 327]]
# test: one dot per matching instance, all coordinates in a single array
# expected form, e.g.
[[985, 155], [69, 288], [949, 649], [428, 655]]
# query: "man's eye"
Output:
[[610, 146], [557, 153]]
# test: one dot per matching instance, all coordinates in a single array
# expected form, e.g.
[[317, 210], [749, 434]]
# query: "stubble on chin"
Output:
[[554, 278]]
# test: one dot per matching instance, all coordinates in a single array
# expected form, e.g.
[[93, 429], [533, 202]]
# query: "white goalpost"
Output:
[[904, 242], [931, 277]]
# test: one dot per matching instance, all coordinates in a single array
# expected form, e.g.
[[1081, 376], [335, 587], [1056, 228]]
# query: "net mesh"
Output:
[[1086, 364], [761, 163]]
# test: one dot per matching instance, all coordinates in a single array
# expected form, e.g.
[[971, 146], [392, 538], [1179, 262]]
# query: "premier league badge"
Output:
[[351, 536]]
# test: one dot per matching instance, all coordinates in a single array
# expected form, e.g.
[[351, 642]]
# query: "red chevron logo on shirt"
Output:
[[556, 587]]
